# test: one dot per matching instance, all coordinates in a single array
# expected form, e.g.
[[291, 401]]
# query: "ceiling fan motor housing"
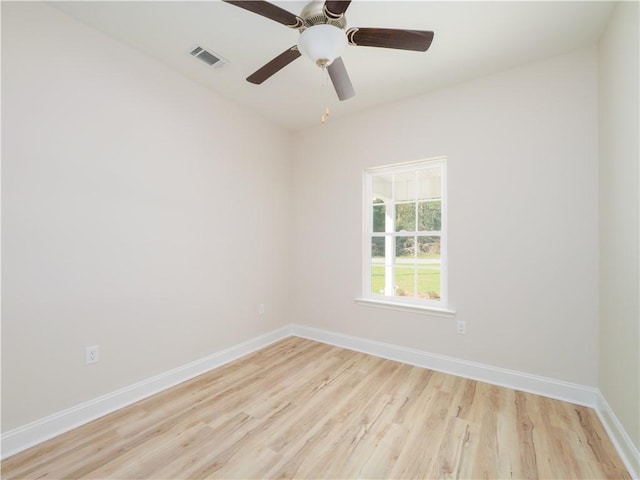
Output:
[[314, 14]]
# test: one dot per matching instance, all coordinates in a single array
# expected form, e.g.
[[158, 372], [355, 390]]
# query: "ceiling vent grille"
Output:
[[212, 59]]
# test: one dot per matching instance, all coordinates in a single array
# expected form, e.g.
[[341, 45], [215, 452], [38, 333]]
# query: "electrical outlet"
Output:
[[461, 327], [91, 354], [261, 309]]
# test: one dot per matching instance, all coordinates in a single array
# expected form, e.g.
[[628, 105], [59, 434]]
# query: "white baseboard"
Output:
[[43, 429], [628, 452], [48, 427], [548, 387]]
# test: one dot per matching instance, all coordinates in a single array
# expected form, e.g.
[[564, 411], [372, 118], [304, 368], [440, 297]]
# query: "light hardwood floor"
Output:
[[308, 410]]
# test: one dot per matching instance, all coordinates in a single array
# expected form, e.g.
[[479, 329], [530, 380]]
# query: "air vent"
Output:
[[208, 57]]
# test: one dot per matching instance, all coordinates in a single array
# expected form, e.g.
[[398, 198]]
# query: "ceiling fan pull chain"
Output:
[[326, 92], [325, 116]]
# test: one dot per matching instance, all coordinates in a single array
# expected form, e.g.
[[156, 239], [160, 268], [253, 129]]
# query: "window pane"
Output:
[[429, 248], [429, 183], [405, 248], [405, 281], [406, 217], [429, 267], [429, 282], [382, 186], [379, 210], [404, 187], [377, 265], [429, 216], [377, 248], [377, 279]]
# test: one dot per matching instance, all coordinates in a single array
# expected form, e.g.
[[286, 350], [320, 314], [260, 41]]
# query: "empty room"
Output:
[[327, 239]]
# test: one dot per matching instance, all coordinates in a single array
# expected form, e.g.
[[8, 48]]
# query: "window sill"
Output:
[[406, 307]]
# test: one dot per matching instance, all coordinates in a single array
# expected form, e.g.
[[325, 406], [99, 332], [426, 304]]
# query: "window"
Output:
[[405, 236]]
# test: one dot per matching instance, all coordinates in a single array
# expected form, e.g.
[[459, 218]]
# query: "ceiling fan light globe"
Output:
[[322, 43]]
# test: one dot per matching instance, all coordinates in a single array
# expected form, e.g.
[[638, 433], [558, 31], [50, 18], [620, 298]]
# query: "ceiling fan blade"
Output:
[[269, 10], [417, 40], [335, 8], [275, 65], [340, 79]]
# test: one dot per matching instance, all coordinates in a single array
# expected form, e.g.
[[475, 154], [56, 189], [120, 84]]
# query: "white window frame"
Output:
[[433, 307]]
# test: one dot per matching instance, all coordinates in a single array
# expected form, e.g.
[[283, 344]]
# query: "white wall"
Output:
[[619, 81], [140, 212], [523, 213]]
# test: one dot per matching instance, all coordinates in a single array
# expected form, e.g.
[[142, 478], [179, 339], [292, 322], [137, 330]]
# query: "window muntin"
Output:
[[405, 237]]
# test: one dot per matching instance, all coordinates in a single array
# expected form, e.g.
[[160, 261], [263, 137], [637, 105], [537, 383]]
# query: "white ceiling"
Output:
[[472, 39]]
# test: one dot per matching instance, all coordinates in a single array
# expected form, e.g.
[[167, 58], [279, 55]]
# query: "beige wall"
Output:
[[140, 212], [619, 80], [523, 213]]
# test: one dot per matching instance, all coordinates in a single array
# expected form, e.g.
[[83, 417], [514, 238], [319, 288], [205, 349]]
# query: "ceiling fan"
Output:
[[323, 36]]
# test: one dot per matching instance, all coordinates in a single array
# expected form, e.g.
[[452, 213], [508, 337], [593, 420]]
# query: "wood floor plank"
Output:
[[303, 409]]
